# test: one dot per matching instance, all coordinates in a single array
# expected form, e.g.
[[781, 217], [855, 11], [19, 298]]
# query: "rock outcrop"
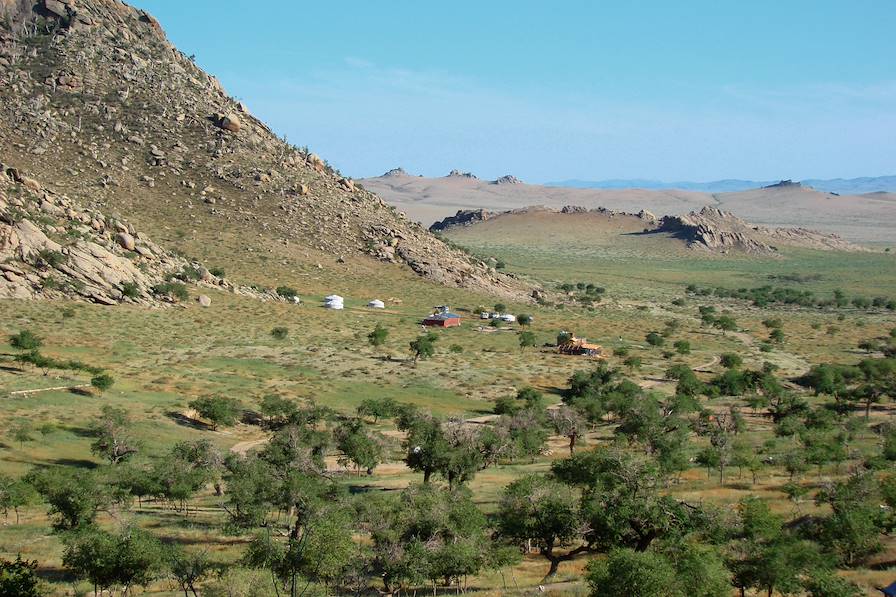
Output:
[[52, 247], [784, 184], [459, 174], [463, 217], [507, 179], [718, 231], [395, 172]]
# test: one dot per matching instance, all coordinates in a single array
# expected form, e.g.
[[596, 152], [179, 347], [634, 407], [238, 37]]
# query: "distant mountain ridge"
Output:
[[851, 186]]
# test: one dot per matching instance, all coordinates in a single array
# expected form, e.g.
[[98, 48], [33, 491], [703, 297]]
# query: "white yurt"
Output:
[[376, 304], [334, 301]]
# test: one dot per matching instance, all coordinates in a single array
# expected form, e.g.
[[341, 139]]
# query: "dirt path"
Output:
[[704, 368], [243, 447]]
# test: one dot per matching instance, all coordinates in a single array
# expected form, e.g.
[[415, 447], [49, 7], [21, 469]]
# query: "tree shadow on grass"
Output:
[[75, 462], [186, 421], [356, 489], [54, 574]]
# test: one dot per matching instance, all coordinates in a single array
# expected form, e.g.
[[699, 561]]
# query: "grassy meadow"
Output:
[[161, 359]]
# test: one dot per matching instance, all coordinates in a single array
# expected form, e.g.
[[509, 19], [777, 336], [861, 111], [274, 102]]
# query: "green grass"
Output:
[[162, 359]]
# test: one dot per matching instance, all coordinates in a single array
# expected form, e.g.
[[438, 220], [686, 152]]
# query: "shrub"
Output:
[[730, 360], [682, 347], [220, 410], [130, 290], [26, 340], [102, 381], [287, 292], [51, 258], [378, 336], [655, 339], [174, 290], [280, 333], [217, 272]]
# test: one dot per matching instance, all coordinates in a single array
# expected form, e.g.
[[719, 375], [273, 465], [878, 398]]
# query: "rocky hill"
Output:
[[95, 99], [52, 247], [719, 231], [710, 229], [858, 218]]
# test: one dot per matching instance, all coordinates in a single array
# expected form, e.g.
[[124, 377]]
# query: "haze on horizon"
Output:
[[653, 90]]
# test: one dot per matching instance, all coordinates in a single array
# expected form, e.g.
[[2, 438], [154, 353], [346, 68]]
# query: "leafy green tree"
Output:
[[102, 382], [26, 340], [318, 548], [423, 346], [500, 307], [766, 556], [427, 533], [682, 347], [852, 531], [546, 512], [22, 432], [524, 319], [220, 410], [361, 447], [378, 336], [725, 323], [622, 500], [730, 360], [776, 335], [525, 433], [19, 578], [632, 363], [424, 443], [825, 583], [627, 572], [378, 408], [112, 430], [527, 340], [277, 410], [75, 497], [15, 494], [131, 558], [189, 568]]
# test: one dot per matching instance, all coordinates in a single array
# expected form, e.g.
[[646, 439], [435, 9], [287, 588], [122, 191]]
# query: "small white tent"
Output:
[[334, 301], [376, 304]]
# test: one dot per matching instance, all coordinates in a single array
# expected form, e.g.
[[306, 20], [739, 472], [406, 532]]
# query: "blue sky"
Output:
[[689, 90]]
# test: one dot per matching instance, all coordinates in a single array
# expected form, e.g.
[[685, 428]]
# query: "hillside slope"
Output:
[[98, 104]]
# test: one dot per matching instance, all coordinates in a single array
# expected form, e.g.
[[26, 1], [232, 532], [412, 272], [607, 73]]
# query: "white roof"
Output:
[[334, 305], [376, 304], [333, 297]]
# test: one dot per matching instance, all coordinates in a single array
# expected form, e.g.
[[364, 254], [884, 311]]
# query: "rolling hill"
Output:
[[869, 218]]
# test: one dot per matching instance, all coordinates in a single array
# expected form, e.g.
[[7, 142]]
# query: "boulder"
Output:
[[30, 183], [56, 7], [231, 122], [126, 241], [204, 300]]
